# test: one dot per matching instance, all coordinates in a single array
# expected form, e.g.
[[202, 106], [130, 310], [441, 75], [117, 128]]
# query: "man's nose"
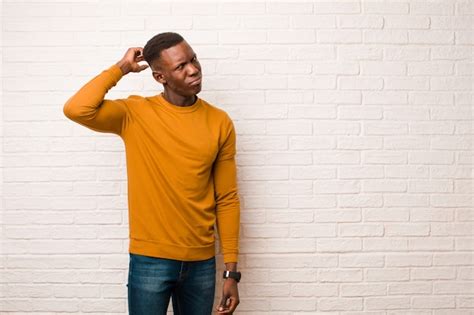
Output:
[[192, 69]]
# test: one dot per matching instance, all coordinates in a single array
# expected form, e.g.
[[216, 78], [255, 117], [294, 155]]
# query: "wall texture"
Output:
[[354, 123]]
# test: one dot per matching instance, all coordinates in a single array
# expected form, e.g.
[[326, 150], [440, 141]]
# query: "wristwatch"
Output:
[[232, 274]]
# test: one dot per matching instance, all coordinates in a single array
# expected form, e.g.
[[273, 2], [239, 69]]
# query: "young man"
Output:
[[181, 172]]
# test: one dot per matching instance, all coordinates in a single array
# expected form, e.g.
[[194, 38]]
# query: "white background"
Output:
[[354, 124]]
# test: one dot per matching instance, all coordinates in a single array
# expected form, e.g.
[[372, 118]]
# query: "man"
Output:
[[181, 173]]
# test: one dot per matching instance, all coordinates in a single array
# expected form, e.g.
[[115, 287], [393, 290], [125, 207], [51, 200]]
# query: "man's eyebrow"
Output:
[[184, 62]]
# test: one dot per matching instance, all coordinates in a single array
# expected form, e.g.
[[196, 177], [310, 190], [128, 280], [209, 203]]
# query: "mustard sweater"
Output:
[[180, 168]]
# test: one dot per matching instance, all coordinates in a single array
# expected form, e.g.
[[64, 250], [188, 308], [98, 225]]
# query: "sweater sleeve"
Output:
[[89, 108], [227, 198]]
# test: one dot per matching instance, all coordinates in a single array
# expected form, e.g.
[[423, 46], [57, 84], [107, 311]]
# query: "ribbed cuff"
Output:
[[115, 72]]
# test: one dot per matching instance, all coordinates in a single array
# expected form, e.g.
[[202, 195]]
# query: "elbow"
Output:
[[72, 110], [68, 111]]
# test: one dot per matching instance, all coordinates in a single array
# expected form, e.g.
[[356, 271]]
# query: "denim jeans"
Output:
[[152, 281]]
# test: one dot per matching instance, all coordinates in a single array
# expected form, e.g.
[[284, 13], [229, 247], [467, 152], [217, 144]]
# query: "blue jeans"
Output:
[[152, 281]]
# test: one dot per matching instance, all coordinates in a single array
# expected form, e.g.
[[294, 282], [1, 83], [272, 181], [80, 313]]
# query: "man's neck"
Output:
[[179, 100]]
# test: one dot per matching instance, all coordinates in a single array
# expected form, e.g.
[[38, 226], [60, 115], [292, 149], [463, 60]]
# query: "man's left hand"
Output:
[[230, 297]]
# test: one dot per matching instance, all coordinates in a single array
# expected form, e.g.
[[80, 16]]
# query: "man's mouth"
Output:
[[196, 82]]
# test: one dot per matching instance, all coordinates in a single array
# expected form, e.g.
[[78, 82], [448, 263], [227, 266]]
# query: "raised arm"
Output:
[[88, 106]]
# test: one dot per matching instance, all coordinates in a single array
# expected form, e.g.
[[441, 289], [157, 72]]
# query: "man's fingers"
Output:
[[222, 307], [233, 304]]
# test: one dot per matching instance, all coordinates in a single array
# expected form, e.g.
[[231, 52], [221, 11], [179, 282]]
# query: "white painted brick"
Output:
[[452, 200], [435, 186], [343, 7], [336, 186], [352, 143], [360, 113], [403, 83], [387, 244], [319, 290], [242, 37], [293, 304], [407, 229], [339, 275], [407, 53], [288, 68], [466, 273], [387, 303], [209, 22], [293, 127], [305, 52], [384, 157], [265, 22], [336, 68], [435, 8], [386, 215], [241, 8], [383, 68], [313, 82], [295, 158], [435, 273], [383, 186], [347, 21], [361, 52], [311, 172], [262, 82], [308, 142], [387, 274], [451, 172], [292, 261], [360, 200], [268, 290], [311, 111], [407, 22], [184, 23], [337, 128], [451, 229], [347, 172], [321, 201], [335, 157], [343, 215], [339, 245], [311, 21], [385, 98], [340, 304], [339, 36], [363, 289], [300, 275], [431, 215], [361, 260], [432, 302], [311, 230], [451, 287], [408, 260], [360, 83], [406, 143], [386, 37], [290, 216], [291, 36]]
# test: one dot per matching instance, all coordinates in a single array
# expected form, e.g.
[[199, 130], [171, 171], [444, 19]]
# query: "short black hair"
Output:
[[157, 43]]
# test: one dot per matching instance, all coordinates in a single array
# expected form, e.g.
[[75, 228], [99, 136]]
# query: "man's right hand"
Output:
[[129, 62]]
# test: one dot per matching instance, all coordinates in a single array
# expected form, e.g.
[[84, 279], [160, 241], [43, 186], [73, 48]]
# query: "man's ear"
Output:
[[158, 75]]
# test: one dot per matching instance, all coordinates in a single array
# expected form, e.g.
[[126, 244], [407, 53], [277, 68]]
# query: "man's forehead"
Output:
[[176, 54]]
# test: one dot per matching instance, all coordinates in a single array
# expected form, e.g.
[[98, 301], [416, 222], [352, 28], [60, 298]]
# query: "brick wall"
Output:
[[354, 123]]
